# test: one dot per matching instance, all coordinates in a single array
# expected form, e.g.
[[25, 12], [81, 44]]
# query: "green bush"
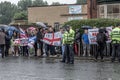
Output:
[[93, 23]]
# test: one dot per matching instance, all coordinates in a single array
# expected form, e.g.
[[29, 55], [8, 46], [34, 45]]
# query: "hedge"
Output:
[[93, 23]]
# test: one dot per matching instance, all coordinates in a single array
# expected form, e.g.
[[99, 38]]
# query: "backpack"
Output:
[[101, 38]]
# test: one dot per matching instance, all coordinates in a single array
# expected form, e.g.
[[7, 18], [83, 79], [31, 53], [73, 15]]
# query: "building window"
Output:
[[109, 11], [102, 10], [116, 9]]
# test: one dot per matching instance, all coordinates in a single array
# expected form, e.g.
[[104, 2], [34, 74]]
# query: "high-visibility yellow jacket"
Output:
[[68, 37], [115, 35]]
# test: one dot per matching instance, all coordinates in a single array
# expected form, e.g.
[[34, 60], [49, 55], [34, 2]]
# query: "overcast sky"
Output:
[[49, 1]]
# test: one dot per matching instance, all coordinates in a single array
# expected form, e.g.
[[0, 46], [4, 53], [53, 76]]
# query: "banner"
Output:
[[53, 38], [75, 9], [109, 30], [92, 33]]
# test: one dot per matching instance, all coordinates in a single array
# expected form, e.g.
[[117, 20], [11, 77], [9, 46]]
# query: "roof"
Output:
[[54, 5]]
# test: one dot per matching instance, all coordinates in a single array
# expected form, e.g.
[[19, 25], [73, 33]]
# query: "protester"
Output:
[[101, 41], [51, 47], [39, 42], [35, 43], [115, 36], [15, 48], [68, 41], [62, 47], [2, 42], [46, 46], [7, 43], [86, 44], [77, 41]]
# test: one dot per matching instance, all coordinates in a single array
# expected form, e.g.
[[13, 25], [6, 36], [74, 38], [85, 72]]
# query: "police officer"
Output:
[[115, 36], [68, 41]]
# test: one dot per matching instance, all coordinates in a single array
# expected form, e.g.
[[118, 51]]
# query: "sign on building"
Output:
[[75, 9]]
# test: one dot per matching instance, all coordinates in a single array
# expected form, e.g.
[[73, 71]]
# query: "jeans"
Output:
[[68, 54], [115, 51], [63, 49]]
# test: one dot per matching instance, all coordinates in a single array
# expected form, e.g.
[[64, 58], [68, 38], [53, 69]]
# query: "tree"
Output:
[[55, 3], [23, 4], [81, 1], [21, 16], [39, 3], [7, 11]]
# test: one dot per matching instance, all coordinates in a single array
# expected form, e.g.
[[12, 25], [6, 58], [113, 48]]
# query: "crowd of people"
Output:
[[68, 38]]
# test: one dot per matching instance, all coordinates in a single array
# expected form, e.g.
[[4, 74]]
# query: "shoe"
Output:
[[95, 60], [84, 54], [62, 61], [89, 55], [112, 61], [71, 62], [102, 60]]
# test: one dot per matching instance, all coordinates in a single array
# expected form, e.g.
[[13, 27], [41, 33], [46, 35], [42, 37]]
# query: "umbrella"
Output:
[[41, 24], [86, 27], [5, 27], [12, 28]]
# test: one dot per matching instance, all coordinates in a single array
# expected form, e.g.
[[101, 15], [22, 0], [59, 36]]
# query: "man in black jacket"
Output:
[[7, 43], [101, 41], [78, 40], [39, 42]]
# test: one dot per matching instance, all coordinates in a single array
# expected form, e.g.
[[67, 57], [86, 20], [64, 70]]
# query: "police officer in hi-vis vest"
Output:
[[68, 41], [115, 36]]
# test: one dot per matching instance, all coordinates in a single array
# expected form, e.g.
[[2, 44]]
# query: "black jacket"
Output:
[[77, 36], [7, 39], [39, 36]]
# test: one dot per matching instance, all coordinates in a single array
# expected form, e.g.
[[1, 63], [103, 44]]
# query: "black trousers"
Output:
[[35, 46], [25, 51], [68, 54], [7, 46], [115, 51], [100, 51], [2, 47]]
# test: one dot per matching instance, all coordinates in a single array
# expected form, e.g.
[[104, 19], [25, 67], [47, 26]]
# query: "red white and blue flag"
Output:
[[22, 33]]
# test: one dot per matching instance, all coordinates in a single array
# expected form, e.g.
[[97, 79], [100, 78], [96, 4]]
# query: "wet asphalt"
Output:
[[23, 68]]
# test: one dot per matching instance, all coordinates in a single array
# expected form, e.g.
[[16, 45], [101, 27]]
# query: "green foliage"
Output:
[[55, 3], [39, 3], [7, 11], [93, 23], [23, 4], [21, 16], [81, 1]]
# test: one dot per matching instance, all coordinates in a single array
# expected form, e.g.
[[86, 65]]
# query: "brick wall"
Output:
[[92, 8]]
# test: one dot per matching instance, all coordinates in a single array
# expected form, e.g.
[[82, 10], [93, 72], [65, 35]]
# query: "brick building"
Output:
[[57, 14], [86, 9]]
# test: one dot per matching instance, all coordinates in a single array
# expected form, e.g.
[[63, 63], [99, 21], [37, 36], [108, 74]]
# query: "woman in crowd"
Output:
[[15, 48]]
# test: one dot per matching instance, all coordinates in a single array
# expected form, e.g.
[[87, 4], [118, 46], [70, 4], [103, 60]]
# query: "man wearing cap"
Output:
[[68, 41]]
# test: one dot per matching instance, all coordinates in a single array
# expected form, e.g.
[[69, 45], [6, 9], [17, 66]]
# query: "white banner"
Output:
[[75, 9], [109, 30], [92, 33], [53, 38]]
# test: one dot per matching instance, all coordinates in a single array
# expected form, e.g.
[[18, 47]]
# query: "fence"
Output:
[[94, 49]]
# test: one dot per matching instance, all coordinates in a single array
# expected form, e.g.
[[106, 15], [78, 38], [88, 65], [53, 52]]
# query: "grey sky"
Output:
[[49, 1]]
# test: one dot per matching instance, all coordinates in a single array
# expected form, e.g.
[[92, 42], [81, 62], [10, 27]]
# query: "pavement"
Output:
[[23, 68]]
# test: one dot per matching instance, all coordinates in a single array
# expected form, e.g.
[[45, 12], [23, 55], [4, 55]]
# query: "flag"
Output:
[[22, 33]]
